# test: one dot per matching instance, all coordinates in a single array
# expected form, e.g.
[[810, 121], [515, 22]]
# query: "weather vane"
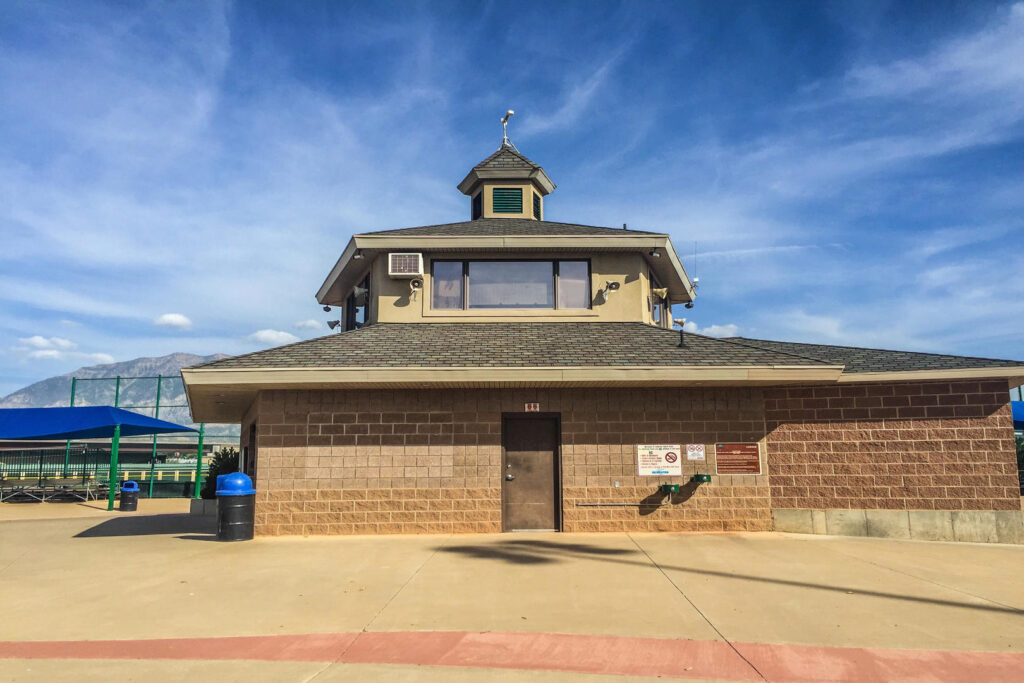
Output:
[[505, 142]]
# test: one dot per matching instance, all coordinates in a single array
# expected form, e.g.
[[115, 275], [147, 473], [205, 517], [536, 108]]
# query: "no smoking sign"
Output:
[[659, 460]]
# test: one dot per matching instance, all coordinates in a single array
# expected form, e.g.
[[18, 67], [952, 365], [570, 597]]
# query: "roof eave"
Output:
[[680, 287], [473, 179], [1013, 374], [223, 395]]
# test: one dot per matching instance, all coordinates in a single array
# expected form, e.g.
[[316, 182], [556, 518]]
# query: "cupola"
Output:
[[507, 184]]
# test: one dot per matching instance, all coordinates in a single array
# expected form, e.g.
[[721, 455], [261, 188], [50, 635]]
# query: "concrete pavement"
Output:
[[733, 606]]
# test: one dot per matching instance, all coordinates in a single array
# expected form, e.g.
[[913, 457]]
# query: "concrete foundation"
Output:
[[971, 526]]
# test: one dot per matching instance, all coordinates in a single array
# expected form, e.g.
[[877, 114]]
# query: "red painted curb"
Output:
[[574, 653]]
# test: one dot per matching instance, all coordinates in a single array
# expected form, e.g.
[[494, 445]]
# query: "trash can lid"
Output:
[[129, 486], [234, 484]]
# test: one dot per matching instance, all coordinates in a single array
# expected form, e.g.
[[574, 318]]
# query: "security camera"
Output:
[[688, 304], [327, 309]]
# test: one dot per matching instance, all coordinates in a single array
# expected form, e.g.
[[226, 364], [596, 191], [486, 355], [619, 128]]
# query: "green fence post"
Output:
[[156, 415], [117, 390], [112, 483], [67, 446], [199, 463]]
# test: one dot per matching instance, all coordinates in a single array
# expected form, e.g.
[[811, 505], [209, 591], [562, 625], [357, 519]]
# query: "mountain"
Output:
[[96, 385]]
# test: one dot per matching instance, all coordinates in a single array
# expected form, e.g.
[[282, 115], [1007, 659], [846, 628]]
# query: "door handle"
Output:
[[509, 476]]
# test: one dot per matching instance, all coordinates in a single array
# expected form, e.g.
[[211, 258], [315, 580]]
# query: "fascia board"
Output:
[[483, 376], [332, 277], [1012, 372]]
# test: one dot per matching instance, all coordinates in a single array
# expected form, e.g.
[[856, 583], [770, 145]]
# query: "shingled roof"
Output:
[[511, 344], [505, 157], [505, 227], [856, 359]]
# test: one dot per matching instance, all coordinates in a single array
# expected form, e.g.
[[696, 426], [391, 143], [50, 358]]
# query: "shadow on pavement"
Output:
[[152, 525], [546, 552], [528, 551]]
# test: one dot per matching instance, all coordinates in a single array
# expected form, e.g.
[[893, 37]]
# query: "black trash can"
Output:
[[129, 497], [236, 507]]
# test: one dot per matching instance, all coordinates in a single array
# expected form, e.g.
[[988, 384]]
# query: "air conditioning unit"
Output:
[[405, 265]]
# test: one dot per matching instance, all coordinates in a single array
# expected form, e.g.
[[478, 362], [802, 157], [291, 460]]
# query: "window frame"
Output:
[[555, 267]]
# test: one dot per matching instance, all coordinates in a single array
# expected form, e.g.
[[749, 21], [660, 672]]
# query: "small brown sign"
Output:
[[737, 458]]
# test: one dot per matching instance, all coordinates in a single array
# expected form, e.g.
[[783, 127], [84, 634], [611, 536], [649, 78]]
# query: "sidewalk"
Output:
[[28, 511], [499, 607]]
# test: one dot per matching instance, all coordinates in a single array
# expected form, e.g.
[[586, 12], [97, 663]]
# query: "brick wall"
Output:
[[428, 461], [908, 446]]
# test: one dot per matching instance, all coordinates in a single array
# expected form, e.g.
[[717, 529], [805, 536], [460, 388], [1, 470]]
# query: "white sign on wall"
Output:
[[659, 460], [695, 451]]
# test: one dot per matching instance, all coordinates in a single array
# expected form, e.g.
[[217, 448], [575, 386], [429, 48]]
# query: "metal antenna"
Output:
[[505, 142]]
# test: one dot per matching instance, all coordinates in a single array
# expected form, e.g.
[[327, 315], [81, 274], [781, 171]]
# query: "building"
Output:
[[509, 373]]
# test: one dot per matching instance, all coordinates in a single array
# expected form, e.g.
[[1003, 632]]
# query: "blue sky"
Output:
[[180, 177]]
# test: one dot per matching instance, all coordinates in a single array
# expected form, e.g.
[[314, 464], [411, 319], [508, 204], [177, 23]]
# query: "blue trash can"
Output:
[[129, 497], [236, 507]]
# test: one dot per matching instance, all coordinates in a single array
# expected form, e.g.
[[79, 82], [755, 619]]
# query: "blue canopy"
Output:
[[87, 422], [1018, 415]]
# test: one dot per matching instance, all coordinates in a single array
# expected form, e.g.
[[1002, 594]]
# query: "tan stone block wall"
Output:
[[910, 446], [410, 452]]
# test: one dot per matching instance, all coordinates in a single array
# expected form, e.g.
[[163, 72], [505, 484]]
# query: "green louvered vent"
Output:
[[508, 200], [536, 206]]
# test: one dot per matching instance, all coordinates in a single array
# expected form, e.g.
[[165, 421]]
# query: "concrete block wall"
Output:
[[927, 460], [428, 461]]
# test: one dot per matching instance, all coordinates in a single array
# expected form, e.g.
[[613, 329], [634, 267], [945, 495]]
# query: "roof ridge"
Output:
[[732, 340], [872, 348]]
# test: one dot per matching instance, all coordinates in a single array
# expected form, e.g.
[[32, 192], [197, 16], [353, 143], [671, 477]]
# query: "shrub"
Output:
[[224, 461]]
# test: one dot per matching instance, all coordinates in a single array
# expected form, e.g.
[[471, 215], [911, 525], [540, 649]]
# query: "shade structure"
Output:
[[86, 422], [1018, 415]]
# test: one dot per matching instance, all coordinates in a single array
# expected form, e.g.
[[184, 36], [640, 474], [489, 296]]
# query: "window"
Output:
[[573, 284], [478, 206], [357, 306], [536, 206], [507, 200], [510, 284], [660, 311], [447, 286]]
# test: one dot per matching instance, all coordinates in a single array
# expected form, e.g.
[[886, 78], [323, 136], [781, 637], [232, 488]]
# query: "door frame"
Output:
[[557, 417]]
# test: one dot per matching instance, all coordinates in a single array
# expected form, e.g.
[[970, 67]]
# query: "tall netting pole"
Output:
[[112, 484], [156, 415], [199, 462], [67, 446]]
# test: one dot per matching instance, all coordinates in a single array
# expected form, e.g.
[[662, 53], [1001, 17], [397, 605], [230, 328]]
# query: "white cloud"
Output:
[[40, 342], [310, 324], [273, 337], [58, 355], [175, 320], [729, 330]]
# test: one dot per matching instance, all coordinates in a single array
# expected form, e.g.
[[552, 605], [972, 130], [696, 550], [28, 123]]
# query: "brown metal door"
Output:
[[530, 473]]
